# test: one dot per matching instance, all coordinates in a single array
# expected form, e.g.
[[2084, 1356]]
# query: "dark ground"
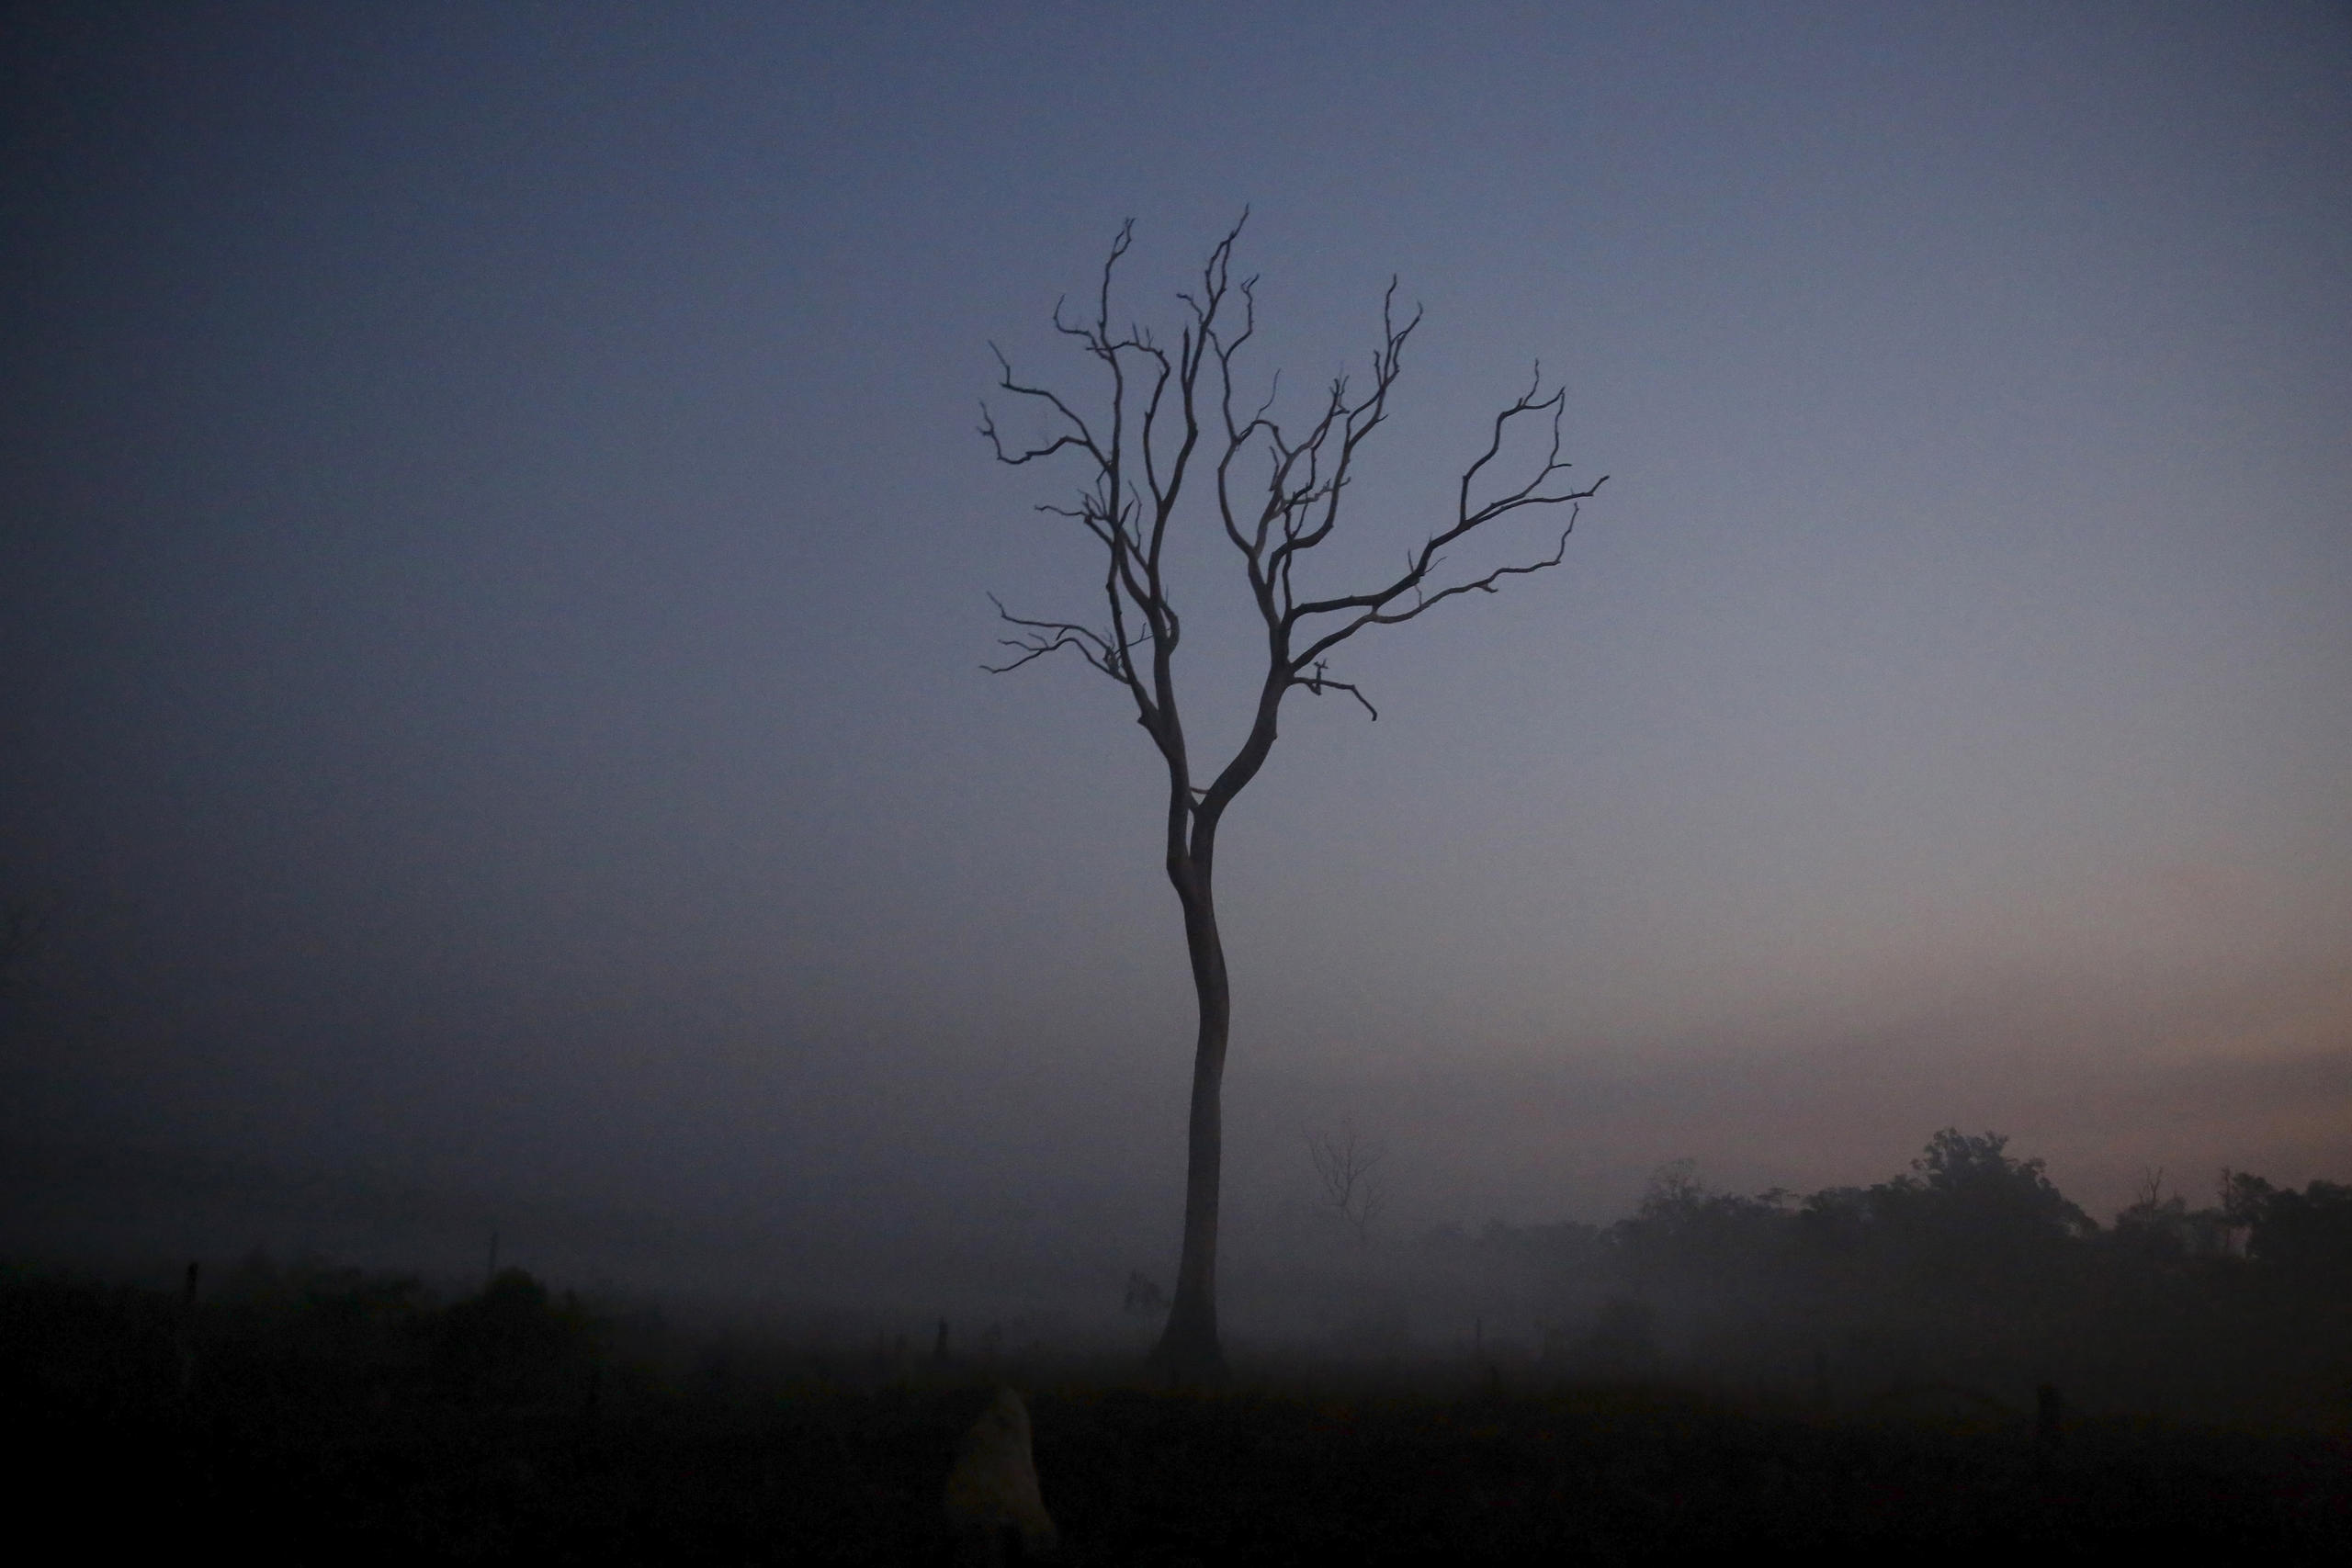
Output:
[[367, 1427]]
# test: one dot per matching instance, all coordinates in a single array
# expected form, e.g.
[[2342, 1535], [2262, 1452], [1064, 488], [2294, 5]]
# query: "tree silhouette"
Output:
[[1169, 405], [1347, 1165], [1971, 1210], [2306, 1235]]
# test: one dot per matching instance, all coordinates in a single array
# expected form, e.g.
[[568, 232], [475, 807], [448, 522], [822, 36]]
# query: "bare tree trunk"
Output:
[[1139, 452], [1190, 1351]]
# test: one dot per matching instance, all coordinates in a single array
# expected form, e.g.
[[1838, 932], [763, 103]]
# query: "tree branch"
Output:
[[1304, 483], [1317, 682], [1104, 653]]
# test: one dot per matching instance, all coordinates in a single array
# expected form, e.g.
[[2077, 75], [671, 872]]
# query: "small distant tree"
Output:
[[2245, 1197], [1967, 1199], [512, 1342], [1977, 1175], [1687, 1232], [2160, 1226], [1348, 1167], [2306, 1235], [1168, 410]]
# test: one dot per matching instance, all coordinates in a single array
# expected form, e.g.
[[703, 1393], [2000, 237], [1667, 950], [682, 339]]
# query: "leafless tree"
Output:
[[1168, 410], [1348, 1167]]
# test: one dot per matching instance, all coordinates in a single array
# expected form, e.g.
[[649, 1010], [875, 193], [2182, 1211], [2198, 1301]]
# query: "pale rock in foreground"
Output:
[[993, 1488]]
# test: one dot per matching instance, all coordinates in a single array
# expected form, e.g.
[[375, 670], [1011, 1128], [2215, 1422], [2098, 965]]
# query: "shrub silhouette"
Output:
[[509, 1344], [2305, 1237]]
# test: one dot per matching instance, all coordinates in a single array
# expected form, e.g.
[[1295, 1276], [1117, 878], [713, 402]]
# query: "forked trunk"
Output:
[[1189, 1348]]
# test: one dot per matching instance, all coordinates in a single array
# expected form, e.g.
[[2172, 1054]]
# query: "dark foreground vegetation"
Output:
[[316, 1414]]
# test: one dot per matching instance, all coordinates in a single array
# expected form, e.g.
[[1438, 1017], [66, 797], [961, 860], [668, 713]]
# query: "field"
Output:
[[367, 1428]]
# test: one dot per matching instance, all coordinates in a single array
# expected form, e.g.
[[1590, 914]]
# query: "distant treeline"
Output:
[[1969, 1270]]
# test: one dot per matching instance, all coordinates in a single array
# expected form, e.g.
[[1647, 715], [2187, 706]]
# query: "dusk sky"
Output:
[[494, 557]]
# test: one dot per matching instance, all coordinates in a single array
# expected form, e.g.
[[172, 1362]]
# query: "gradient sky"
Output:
[[494, 568]]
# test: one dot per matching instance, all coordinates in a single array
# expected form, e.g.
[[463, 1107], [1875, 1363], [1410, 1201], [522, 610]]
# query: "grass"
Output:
[[310, 1436]]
